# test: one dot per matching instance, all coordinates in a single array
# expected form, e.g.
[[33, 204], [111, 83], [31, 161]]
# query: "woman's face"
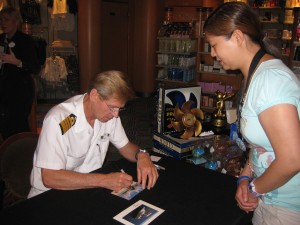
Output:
[[9, 24], [224, 50]]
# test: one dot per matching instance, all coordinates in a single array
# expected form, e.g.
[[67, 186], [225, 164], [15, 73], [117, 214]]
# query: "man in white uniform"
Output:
[[75, 137]]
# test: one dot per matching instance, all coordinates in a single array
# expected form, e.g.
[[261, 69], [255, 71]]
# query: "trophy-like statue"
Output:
[[219, 116]]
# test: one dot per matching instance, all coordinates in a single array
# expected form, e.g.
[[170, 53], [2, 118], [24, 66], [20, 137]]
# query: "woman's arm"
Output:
[[282, 126]]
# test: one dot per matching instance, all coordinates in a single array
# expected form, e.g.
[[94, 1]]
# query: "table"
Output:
[[189, 194]]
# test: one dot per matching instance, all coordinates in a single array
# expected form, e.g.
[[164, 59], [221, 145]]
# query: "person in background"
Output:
[[269, 121], [18, 63], [75, 137]]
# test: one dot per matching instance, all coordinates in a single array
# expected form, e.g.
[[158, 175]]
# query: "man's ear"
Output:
[[94, 94], [238, 36]]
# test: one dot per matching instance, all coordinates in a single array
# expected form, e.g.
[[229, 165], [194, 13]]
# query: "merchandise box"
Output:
[[166, 101], [175, 147]]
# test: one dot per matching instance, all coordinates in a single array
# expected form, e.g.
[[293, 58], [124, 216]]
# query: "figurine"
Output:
[[219, 117], [221, 98]]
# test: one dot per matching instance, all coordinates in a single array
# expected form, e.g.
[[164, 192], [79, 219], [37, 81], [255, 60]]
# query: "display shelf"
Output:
[[295, 43], [200, 50], [174, 66], [218, 73], [176, 54], [175, 81], [228, 79], [277, 24], [204, 53], [208, 109]]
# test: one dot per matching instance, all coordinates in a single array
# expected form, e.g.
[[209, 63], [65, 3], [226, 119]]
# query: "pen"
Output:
[[159, 167]]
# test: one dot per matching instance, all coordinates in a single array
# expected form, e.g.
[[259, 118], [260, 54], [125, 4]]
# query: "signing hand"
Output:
[[117, 181]]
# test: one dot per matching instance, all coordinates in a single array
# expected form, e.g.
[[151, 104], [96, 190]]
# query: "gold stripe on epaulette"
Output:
[[67, 123]]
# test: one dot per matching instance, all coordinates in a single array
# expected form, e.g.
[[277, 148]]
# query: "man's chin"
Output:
[[105, 119]]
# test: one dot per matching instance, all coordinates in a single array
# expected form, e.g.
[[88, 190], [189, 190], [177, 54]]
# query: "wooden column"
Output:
[[89, 40], [146, 24]]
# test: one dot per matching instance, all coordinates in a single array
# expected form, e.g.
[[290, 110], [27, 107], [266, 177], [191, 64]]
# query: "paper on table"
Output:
[[130, 192], [139, 213], [155, 158]]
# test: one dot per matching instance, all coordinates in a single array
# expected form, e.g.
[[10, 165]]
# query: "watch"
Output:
[[140, 151], [252, 189]]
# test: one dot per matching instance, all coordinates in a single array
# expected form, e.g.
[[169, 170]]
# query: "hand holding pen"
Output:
[[117, 180]]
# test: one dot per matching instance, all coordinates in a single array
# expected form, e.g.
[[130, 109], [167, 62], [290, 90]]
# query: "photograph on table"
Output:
[[129, 192], [140, 213]]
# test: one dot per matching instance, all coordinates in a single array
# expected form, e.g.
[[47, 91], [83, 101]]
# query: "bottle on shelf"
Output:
[[199, 22], [203, 13], [168, 15], [298, 31]]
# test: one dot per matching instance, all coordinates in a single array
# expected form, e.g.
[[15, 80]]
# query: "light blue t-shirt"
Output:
[[273, 83]]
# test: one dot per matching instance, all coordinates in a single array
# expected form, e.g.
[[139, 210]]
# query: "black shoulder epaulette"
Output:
[[67, 123]]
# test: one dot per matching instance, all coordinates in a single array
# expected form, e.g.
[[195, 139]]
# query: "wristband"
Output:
[[252, 189], [138, 152], [242, 178]]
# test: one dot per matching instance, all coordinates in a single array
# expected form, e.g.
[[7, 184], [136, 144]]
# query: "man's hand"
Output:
[[117, 181], [146, 171]]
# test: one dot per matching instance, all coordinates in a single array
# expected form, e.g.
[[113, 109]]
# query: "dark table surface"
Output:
[[189, 194]]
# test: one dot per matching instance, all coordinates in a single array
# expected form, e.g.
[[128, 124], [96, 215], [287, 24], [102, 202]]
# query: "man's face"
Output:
[[104, 110]]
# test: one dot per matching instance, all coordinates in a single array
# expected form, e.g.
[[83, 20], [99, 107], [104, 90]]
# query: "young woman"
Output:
[[269, 122]]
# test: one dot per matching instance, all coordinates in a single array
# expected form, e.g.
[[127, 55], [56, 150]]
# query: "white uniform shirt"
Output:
[[81, 148]]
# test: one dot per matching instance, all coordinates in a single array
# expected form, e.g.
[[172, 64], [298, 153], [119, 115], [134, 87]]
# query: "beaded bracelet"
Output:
[[242, 178], [252, 189]]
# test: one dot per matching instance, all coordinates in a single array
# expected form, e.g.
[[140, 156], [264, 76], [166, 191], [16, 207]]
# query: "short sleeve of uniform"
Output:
[[118, 136], [273, 86], [55, 154]]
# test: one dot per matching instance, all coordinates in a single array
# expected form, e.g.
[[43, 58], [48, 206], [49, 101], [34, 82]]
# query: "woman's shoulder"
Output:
[[23, 37], [274, 83], [275, 68]]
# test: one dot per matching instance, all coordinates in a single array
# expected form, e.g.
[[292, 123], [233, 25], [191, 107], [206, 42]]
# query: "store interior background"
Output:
[[114, 34], [108, 34]]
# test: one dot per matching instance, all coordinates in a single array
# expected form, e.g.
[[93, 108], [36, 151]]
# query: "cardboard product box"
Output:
[[166, 101], [174, 147]]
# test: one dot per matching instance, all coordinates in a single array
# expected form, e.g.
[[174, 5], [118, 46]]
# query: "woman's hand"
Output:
[[10, 58], [246, 201]]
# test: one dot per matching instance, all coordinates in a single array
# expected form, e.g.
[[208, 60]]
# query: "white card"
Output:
[[155, 158], [130, 192], [140, 213]]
